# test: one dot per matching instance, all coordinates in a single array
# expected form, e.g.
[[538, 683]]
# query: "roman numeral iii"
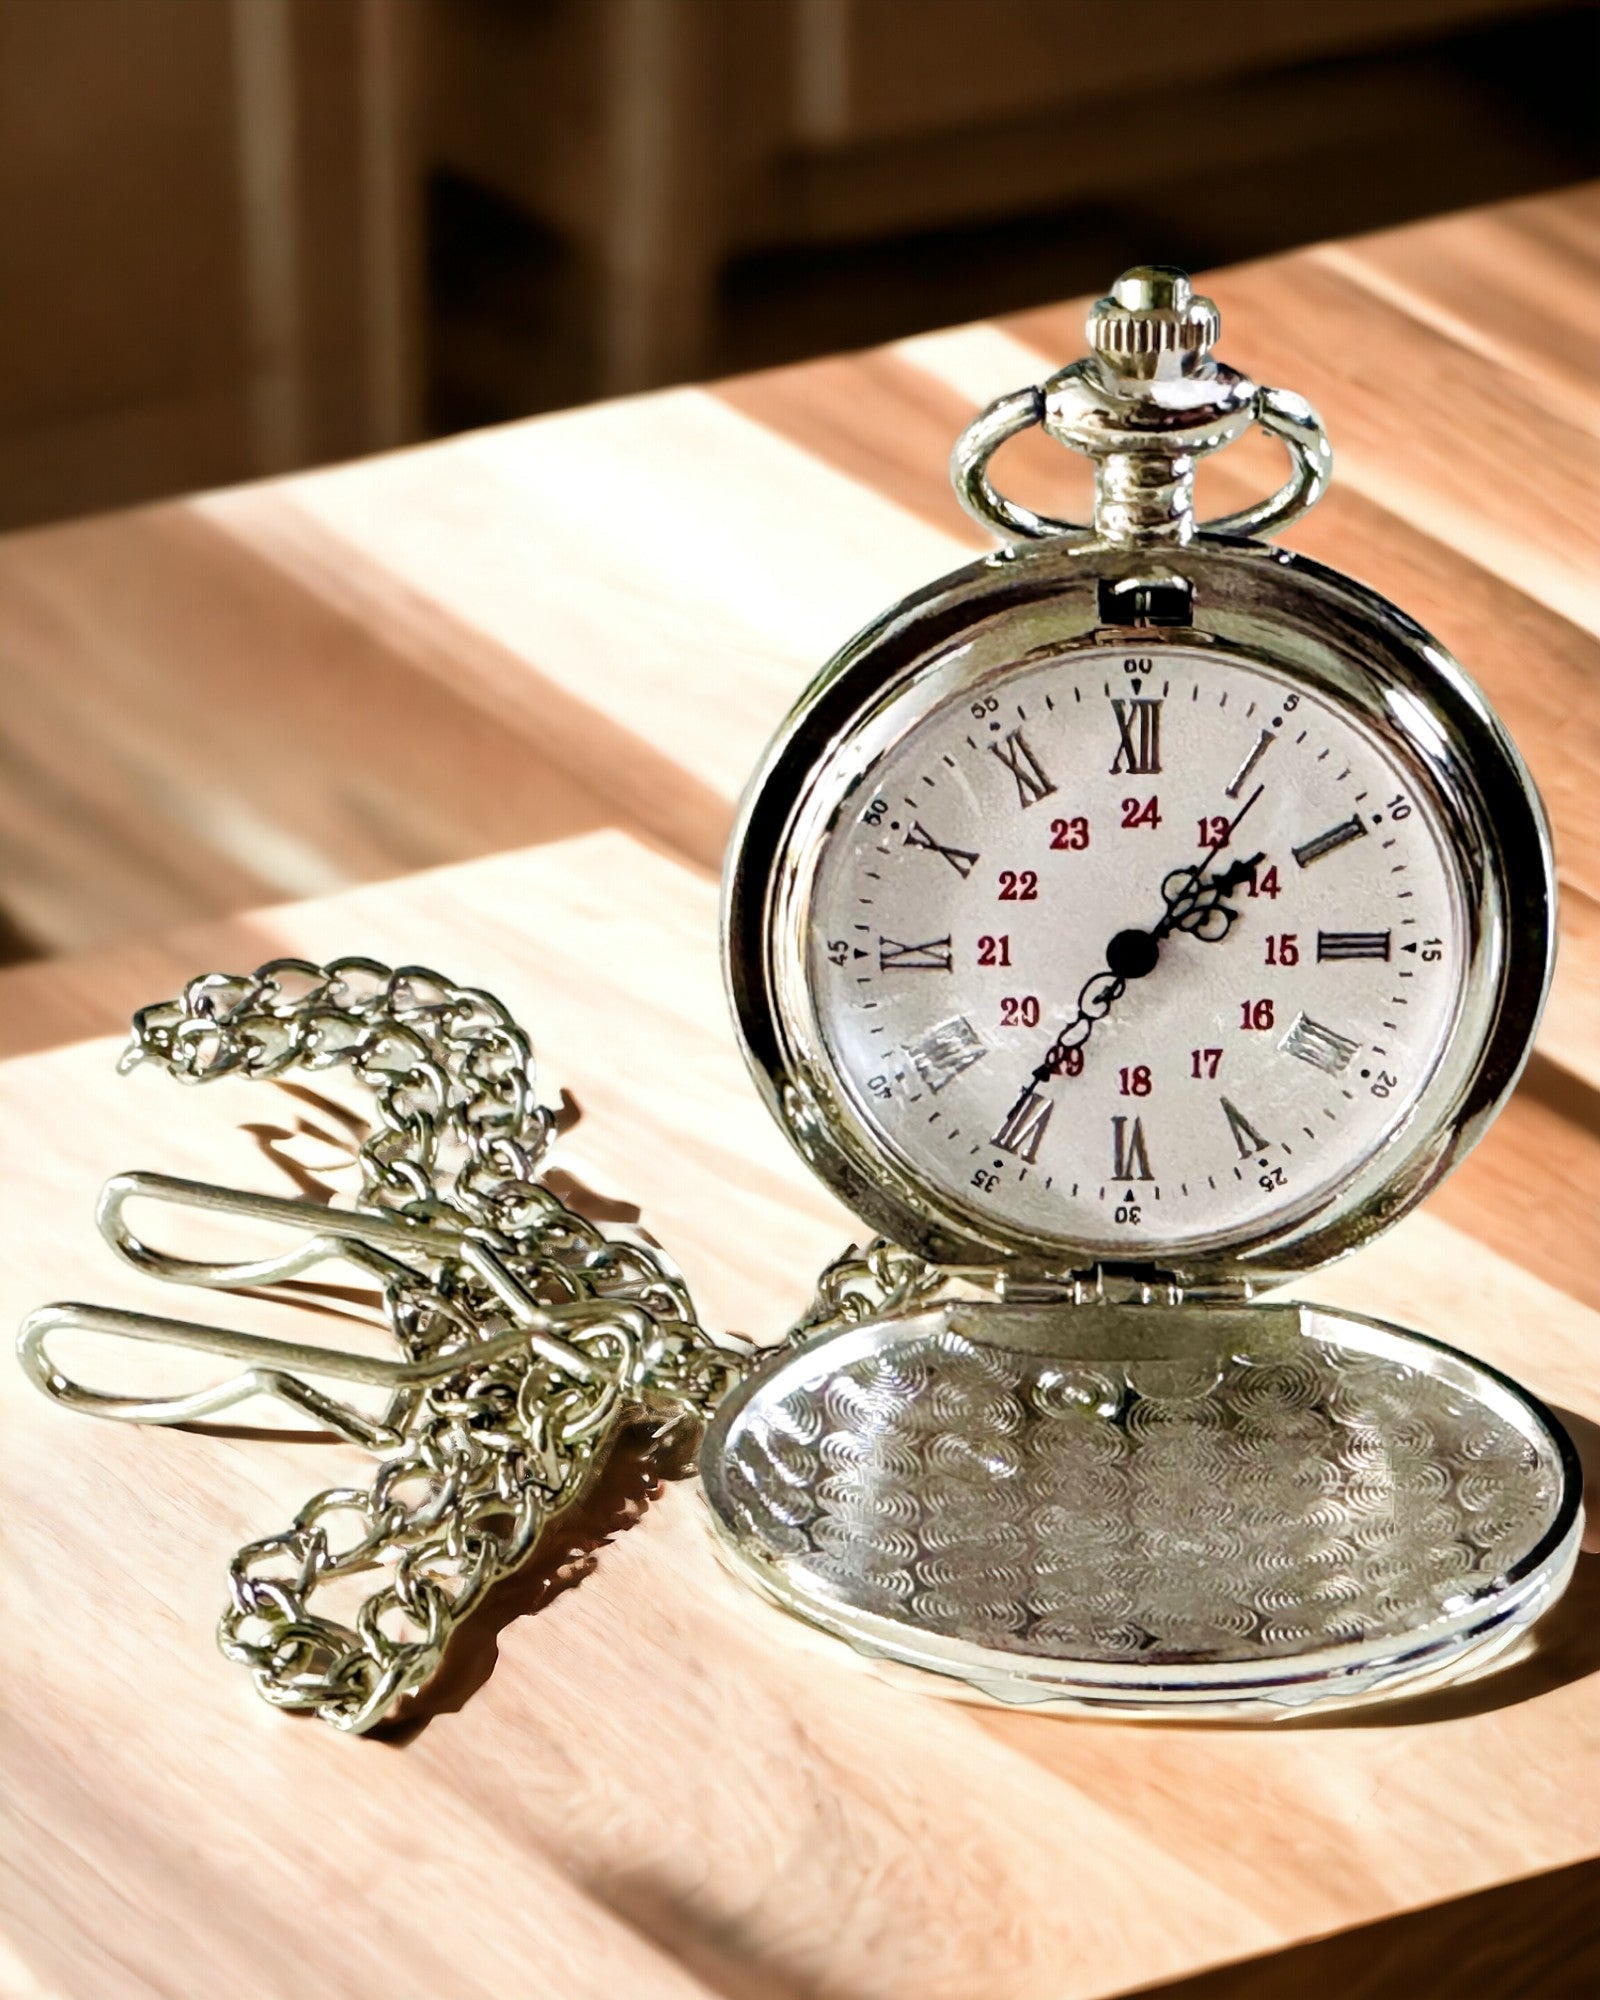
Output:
[[1024, 1126], [1130, 1158], [1138, 736], [933, 956], [1352, 944], [1033, 784], [958, 857]]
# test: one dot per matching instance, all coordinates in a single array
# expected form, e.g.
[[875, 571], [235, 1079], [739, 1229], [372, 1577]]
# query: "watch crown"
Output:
[[1152, 312]]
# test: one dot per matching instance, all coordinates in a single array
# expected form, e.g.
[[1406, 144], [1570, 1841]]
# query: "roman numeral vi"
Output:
[[1130, 1159]]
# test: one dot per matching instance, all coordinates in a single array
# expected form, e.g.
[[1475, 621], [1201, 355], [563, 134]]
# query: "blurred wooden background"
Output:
[[240, 236], [209, 243]]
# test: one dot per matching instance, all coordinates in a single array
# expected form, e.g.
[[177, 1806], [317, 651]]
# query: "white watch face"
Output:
[[1135, 952]]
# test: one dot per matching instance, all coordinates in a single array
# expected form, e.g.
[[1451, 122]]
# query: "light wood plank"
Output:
[[1515, 283], [662, 558], [1433, 431], [188, 734], [826, 1828]]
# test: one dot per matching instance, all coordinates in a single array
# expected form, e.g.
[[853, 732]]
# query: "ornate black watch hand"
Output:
[[1194, 904]]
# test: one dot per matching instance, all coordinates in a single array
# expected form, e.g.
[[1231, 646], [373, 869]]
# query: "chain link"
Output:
[[491, 1453], [862, 1284]]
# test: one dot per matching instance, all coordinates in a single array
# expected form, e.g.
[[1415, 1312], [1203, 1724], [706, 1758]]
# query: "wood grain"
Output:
[[549, 655], [1515, 283], [694, 1795]]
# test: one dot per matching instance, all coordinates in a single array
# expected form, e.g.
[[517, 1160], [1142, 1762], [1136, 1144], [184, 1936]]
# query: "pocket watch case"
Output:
[[1070, 1459], [1146, 1509]]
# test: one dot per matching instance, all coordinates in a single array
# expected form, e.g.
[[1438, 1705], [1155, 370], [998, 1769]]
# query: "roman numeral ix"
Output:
[[1130, 1159], [1032, 782], [958, 857], [1138, 736], [1024, 1126], [933, 956], [1352, 944]]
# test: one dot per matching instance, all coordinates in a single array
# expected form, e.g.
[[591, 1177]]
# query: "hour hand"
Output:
[[1235, 873], [1195, 903]]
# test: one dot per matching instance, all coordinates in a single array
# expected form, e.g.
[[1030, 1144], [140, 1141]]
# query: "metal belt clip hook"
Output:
[[384, 1246], [526, 1336]]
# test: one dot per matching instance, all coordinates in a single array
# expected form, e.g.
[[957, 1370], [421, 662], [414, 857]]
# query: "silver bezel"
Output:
[[1283, 611]]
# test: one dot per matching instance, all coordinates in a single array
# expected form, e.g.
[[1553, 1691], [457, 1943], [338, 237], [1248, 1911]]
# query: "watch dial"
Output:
[[1135, 952]]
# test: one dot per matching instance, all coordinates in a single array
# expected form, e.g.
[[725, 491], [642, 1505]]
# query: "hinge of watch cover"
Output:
[[1132, 1286], [1134, 601]]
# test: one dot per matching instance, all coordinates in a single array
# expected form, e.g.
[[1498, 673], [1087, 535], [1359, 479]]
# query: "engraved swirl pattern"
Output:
[[1254, 1507]]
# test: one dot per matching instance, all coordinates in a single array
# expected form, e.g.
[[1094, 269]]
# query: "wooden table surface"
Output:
[[488, 705]]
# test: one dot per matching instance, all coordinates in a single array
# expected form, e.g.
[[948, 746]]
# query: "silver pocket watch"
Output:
[[1123, 926]]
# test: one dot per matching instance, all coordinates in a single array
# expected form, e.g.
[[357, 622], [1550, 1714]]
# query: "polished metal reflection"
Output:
[[1138, 1492], [1146, 405], [1249, 1506], [964, 636]]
